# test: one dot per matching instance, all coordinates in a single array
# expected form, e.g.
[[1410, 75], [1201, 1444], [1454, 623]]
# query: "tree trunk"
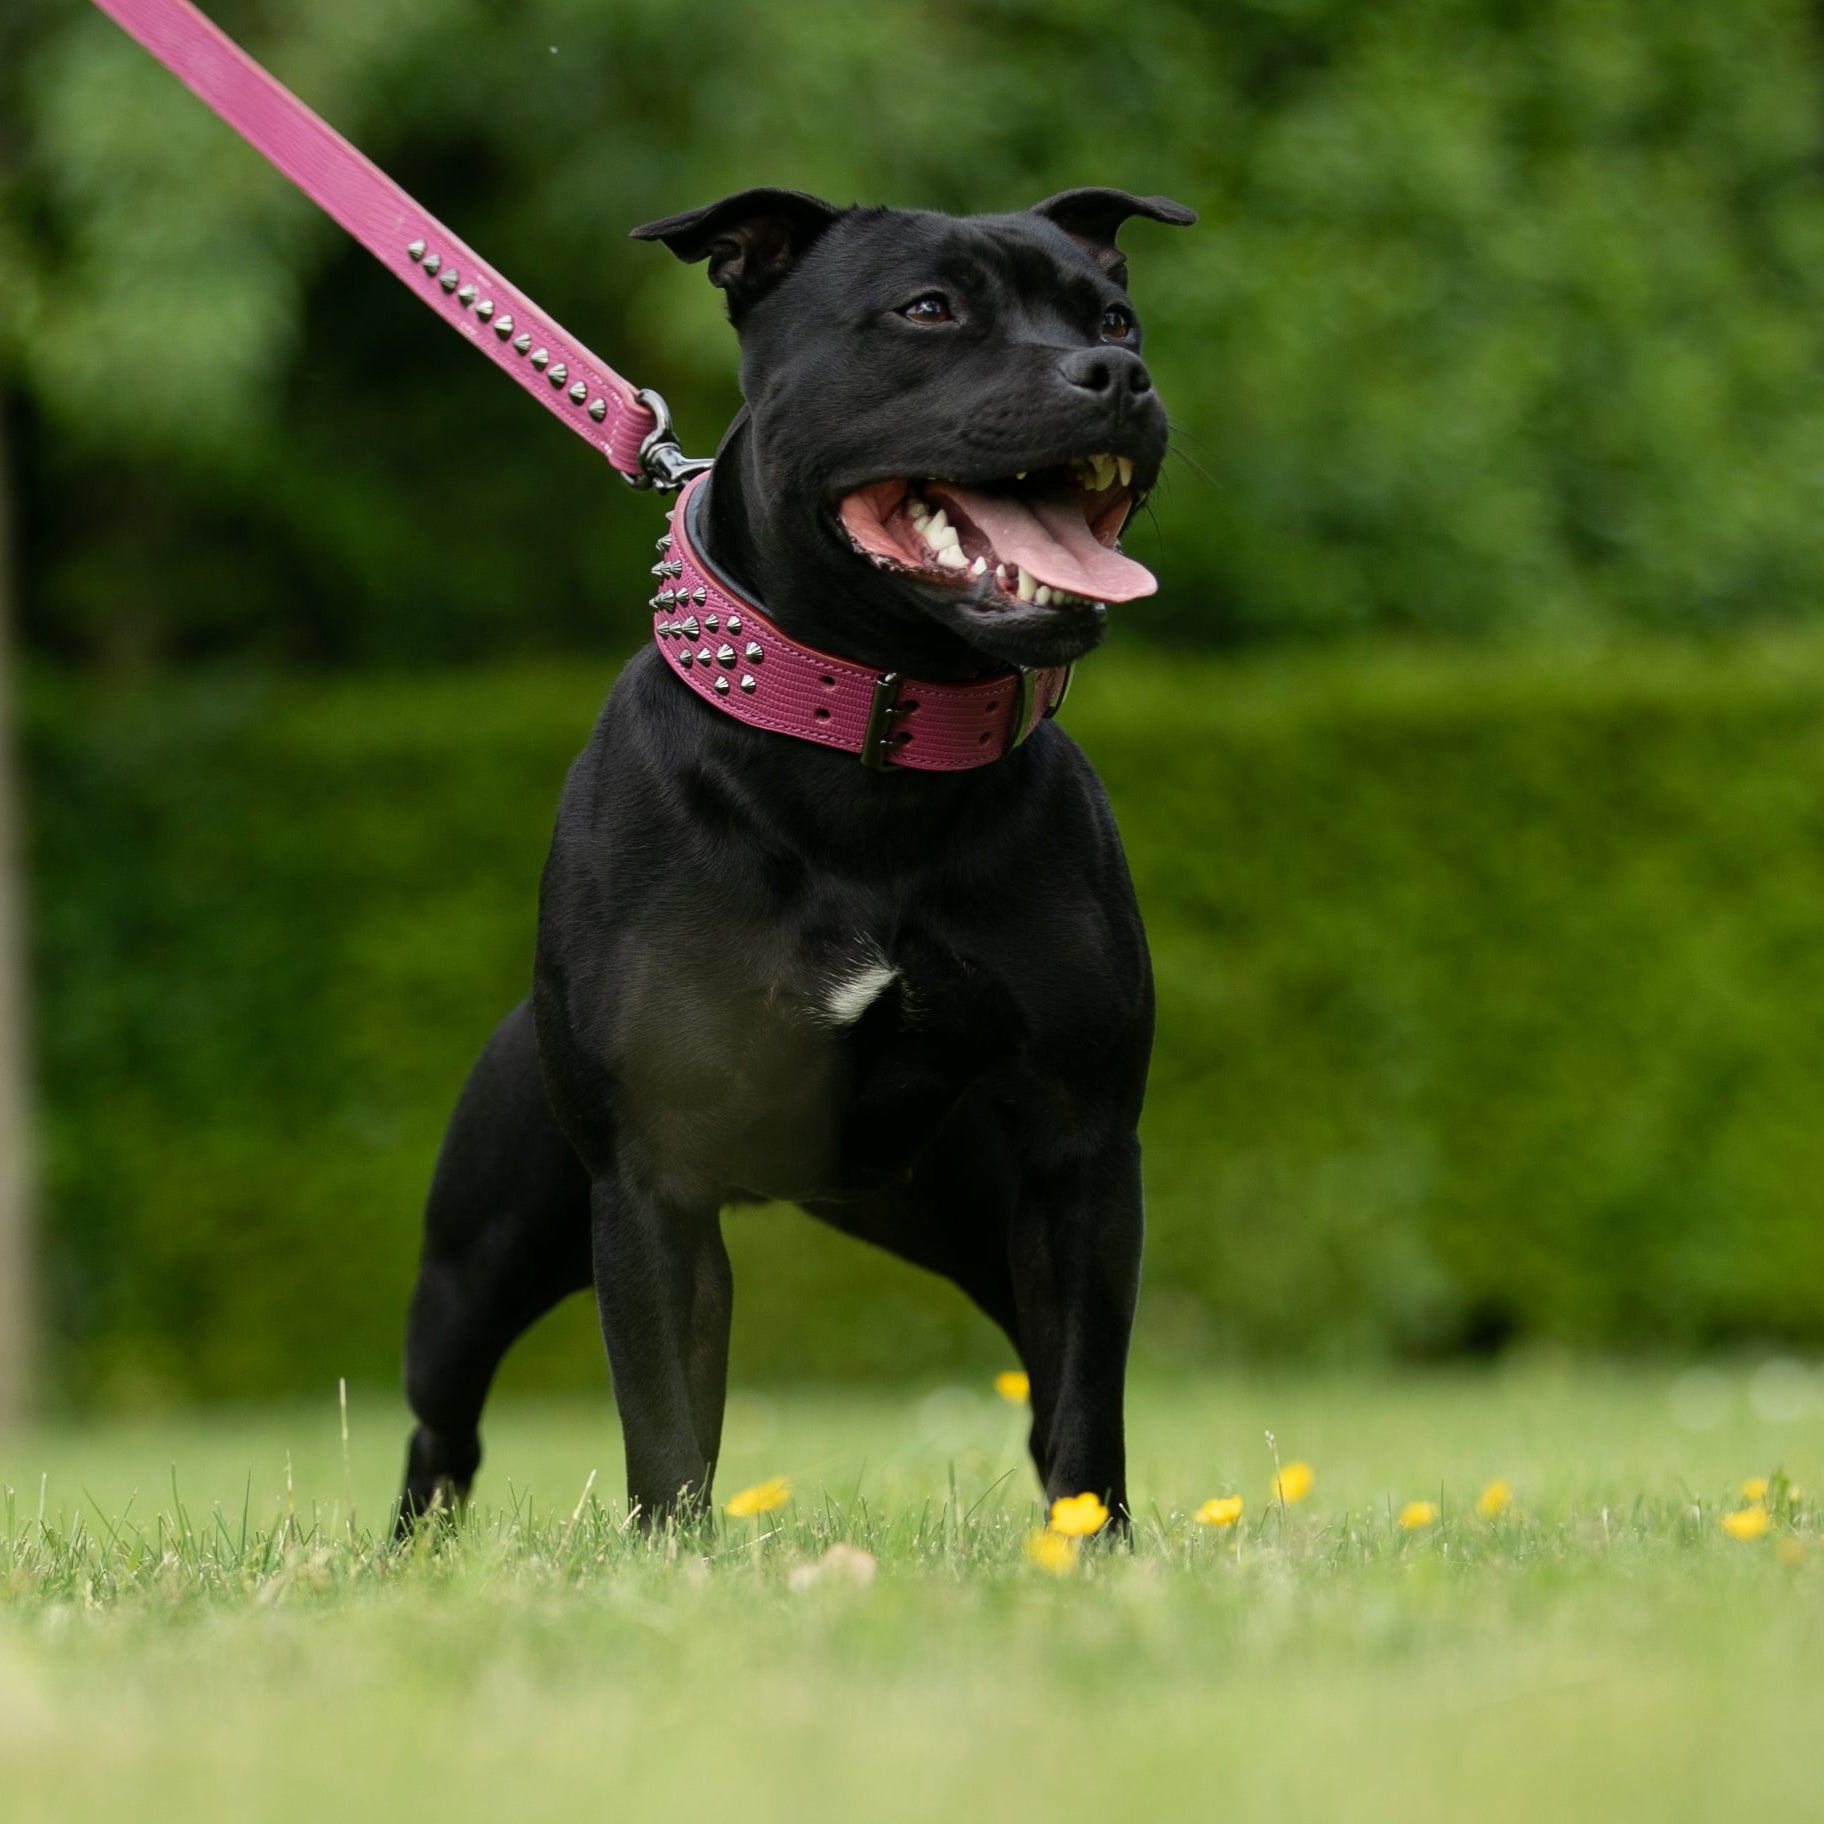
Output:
[[18, 1289]]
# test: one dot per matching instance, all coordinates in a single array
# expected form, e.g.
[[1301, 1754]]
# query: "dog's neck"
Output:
[[814, 591]]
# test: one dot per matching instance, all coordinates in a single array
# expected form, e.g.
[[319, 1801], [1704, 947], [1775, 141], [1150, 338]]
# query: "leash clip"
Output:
[[663, 465]]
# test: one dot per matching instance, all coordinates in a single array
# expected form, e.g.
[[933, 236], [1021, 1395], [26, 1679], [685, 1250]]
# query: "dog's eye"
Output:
[[933, 307], [1117, 325]]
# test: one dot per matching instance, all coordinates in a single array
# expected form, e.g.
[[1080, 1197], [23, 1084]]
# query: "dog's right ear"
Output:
[[751, 239]]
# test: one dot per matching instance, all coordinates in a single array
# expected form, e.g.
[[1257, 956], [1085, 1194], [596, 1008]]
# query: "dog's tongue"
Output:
[[1048, 535]]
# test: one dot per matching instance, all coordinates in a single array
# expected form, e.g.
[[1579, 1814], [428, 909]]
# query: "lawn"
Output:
[[224, 1638]]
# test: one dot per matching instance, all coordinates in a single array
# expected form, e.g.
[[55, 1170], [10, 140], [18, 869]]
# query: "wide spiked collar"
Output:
[[726, 650]]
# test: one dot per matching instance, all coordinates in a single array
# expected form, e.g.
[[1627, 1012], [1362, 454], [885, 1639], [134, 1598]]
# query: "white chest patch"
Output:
[[849, 997]]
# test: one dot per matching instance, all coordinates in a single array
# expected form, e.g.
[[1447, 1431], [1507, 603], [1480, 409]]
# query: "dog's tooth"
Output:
[[1124, 467], [936, 524], [917, 508], [979, 567], [946, 540], [1042, 596], [952, 558], [1026, 584], [1019, 474]]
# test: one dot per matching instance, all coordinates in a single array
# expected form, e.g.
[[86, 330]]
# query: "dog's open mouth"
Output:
[[1045, 536]]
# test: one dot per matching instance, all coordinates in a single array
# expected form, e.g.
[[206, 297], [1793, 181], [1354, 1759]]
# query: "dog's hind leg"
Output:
[[951, 1216], [506, 1236]]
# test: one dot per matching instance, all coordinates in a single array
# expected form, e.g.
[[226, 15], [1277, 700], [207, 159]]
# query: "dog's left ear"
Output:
[[751, 239], [1092, 217]]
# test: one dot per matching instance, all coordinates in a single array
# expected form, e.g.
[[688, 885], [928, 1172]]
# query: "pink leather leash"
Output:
[[731, 655], [444, 272], [725, 649]]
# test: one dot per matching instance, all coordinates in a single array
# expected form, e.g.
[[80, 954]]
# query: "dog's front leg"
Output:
[[1075, 1254], [665, 1292]]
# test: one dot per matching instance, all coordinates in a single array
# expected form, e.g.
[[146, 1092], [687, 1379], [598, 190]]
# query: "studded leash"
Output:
[[628, 424]]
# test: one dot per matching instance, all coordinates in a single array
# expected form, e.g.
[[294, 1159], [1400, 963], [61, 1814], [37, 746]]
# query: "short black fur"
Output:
[[711, 888]]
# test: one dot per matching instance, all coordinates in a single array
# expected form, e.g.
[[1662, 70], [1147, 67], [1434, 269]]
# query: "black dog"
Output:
[[917, 1004]]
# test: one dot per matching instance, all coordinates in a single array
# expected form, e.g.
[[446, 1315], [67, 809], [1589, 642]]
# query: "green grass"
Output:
[[213, 1641]]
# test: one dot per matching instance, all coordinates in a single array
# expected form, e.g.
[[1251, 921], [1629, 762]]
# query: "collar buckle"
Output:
[[877, 737]]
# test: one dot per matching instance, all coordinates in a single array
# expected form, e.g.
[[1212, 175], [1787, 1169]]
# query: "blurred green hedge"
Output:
[[1489, 1008], [1499, 317]]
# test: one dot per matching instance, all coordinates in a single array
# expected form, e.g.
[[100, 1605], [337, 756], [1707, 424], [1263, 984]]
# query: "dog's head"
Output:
[[949, 416]]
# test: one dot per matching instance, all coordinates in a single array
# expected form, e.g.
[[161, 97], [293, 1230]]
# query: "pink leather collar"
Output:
[[731, 655]]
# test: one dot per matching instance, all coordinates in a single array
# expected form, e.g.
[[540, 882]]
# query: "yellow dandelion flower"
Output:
[[1494, 1498], [1221, 1510], [762, 1498], [1293, 1483], [1747, 1522], [1755, 1489], [1077, 1516], [1418, 1513], [1013, 1386], [1052, 1552]]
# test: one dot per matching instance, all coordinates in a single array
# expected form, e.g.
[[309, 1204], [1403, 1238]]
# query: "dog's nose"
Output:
[[1106, 370]]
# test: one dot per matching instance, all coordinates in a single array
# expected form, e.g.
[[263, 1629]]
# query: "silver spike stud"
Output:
[[504, 328], [714, 625], [721, 687], [748, 682], [701, 595], [451, 278], [734, 623], [558, 375], [431, 263], [414, 250], [690, 625], [725, 655], [521, 344], [685, 657], [662, 542], [485, 309], [674, 566], [752, 653], [540, 356], [467, 296], [578, 392], [704, 655], [598, 408], [666, 598]]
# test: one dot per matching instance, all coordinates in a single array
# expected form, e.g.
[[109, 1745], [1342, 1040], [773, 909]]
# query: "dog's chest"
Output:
[[816, 1069]]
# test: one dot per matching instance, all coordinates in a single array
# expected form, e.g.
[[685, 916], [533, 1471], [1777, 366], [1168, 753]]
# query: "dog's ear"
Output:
[[751, 239], [1092, 217]]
